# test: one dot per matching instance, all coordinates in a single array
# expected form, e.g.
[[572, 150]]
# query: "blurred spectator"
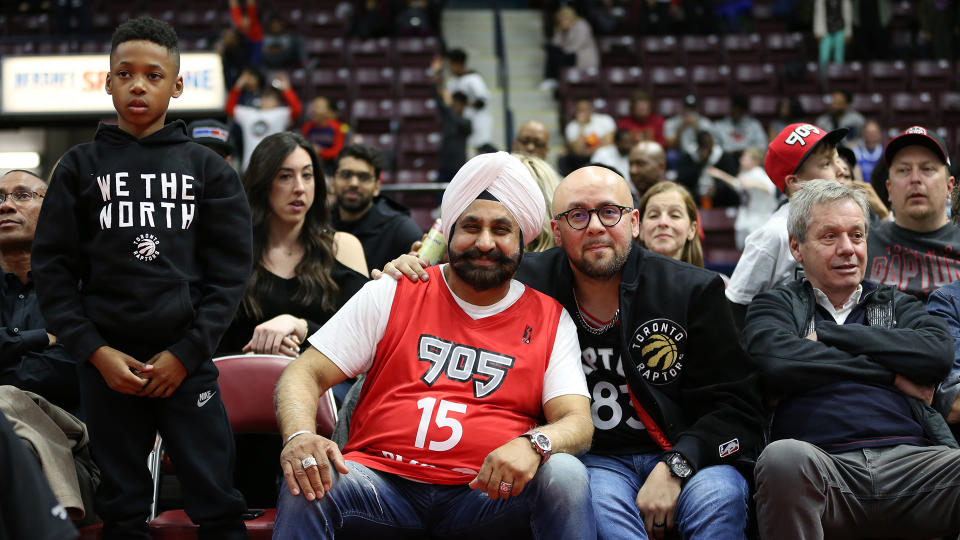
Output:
[[616, 155], [572, 44], [872, 38], [938, 24], [473, 86], [533, 138], [282, 49], [214, 135], [833, 28], [371, 19], [269, 117], [693, 172], [455, 129], [789, 111], [739, 130], [648, 164], [382, 225], [851, 175], [680, 130], [547, 180], [878, 181], [605, 14], [658, 17], [325, 132], [869, 150], [758, 195], [586, 132], [668, 223], [417, 18], [644, 124], [250, 33], [840, 115]]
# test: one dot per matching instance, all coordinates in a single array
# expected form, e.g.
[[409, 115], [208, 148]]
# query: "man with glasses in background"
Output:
[[382, 225], [533, 139], [30, 357], [673, 393]]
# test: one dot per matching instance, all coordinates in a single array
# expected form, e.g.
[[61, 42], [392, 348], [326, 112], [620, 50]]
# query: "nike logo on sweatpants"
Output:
[[204, 397]]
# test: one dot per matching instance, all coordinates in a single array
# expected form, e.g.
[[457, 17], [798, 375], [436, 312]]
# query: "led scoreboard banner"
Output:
[[73, 85]]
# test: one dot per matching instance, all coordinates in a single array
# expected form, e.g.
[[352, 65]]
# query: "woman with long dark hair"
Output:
[[303, 270]]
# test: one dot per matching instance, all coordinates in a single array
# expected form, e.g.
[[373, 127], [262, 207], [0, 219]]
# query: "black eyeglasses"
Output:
[[579, 218], [362, 177], [18, 197]]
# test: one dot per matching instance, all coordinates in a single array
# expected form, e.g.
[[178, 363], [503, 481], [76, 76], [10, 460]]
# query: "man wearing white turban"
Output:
[[444, 440]]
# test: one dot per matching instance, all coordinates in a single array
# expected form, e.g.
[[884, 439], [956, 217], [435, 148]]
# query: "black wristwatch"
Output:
[[679, 467], [541, 444]]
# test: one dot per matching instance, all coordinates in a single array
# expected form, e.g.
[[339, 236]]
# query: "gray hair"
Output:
[[817, 192]]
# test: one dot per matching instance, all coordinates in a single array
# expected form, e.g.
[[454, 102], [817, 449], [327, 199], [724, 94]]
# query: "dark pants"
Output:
[[28, 508], [557, 59], [197, 437]]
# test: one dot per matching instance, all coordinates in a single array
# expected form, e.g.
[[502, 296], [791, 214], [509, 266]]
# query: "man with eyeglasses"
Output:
[[382, 225], [30, 357], [533, 139], [673, 393]]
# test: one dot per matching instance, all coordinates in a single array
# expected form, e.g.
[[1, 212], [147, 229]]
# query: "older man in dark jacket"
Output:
[[851, 368]]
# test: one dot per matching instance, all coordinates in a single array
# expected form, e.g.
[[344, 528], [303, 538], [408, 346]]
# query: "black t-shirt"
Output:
[[617, 431], [280, 301], [915, 263]]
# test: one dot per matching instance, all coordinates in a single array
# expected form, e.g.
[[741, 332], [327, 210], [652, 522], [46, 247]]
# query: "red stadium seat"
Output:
[[949, 106], [669, 81], [932, 75], [887, 77], [579, 82], [715, 107], [623, 82], [660, 51], [871, 106], [702, 50], [331, 83], [756, 79], [764, 108], [370, 52], [326, 52], [783, 48], [618, 51], [849, 77], [325, 23], [418, 115], [813, 104], [911, 109], [415, 51], [744, 48], [246, 386], [668, 106], [415, 176], [374, 82], [418, 151], [373, 116], [711, 80], [415, 82]]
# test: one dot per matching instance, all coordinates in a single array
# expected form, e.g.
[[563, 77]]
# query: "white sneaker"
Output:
[[548, 85]]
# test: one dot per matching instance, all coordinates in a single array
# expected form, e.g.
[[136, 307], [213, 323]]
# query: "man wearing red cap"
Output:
[[799, 153], [920, 250]]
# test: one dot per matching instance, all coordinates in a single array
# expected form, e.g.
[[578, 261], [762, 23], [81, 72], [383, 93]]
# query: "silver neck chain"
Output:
[[589, 327]]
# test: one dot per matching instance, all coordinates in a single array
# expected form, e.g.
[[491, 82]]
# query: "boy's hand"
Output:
[[167, 375], [123, 373]]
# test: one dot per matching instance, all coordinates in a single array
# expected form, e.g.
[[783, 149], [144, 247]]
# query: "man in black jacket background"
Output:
[[851, 368]]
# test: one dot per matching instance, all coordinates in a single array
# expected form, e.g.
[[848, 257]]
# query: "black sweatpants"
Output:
[[197, 437]]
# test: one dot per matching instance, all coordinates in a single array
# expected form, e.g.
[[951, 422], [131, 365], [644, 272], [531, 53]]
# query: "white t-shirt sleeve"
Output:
[[564, 374], [755, 270], [572, 131], [349, 339], [604, 124]]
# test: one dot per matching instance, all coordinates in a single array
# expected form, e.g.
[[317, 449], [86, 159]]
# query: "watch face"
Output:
[[679, 466], [542, 441]]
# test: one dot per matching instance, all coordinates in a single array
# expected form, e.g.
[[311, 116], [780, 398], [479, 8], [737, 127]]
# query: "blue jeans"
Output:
[[371, 504], [713, 504]]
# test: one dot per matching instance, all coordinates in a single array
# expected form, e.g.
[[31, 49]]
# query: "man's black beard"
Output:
[[484, 278], [361, 206]]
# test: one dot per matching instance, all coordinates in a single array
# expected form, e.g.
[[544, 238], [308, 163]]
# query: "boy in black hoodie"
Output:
[[142, 253]]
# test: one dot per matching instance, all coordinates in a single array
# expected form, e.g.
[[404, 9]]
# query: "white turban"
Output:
[[506, 178]]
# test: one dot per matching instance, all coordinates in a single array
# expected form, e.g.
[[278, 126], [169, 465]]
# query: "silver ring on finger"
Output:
[[659, 525], [506, 487], [308, 462]]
